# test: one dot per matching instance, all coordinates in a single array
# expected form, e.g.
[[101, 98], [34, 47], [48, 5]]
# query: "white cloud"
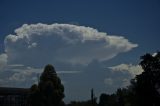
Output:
[[33, 46], [132, 69], [154, 54], [20, 74], [19, 77], [38, 44], [16, 65], [121, 75]]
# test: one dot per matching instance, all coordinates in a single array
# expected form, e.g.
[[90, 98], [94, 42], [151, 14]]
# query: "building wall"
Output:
[[13, 100]]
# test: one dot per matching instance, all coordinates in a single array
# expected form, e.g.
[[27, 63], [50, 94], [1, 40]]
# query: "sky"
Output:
[[91, 43]]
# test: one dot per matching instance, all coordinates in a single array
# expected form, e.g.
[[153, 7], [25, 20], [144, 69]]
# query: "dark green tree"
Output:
[[120, 97], [50, 89], [108, 100], [146, 85], [144, 89], [103, 100], [36, 98]]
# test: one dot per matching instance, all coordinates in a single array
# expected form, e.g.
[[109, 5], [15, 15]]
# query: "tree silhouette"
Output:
[[36, 98], [147, 84], [108, 100], [50, 90], [120, 97], [144, 89], [103, 100]]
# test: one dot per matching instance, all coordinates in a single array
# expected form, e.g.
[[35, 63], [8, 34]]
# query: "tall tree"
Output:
[[50, 88], [36, 97], [146, 85], [108, 100], [103, 100], [120, 97]]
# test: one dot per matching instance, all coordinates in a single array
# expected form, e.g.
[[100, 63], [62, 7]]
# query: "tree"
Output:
[[35, 97], [147, 84], [103, 101], [144, 89], [50, 88], [120, 97], [108, 100]]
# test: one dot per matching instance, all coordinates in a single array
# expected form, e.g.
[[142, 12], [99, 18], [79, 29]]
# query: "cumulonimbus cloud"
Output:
[[33, 46], [38, 44]]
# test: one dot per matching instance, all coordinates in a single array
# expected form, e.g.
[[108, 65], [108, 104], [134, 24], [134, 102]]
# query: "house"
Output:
[[13, 96]]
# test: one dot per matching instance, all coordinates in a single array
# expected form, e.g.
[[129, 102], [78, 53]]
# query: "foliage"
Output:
[[49, 91], [146, 85], [82, 103], [144, 88]]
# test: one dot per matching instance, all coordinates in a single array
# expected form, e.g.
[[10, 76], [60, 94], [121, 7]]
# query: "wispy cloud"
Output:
[[68, 72]]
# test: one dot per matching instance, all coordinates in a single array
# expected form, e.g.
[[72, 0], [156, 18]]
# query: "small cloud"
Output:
[[16, 65], [32, 45], [132, 69], [154, 54], [19, 76], [120, 75]]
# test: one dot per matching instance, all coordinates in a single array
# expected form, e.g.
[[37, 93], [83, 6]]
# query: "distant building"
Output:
[[13, 96]]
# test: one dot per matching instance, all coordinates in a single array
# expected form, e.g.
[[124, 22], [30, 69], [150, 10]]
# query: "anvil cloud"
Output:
[[38, 44]]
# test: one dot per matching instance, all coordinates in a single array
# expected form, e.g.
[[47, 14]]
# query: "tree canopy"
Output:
[[147, 84], [144, 89], [49, 91]]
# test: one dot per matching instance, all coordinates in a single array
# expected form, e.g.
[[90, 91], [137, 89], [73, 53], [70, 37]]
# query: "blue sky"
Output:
[[135, 20]]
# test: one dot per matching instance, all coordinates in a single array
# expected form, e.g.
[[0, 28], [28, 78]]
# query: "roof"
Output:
[[13, 91]]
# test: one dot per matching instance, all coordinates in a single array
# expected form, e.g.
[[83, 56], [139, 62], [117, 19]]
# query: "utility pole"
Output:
[[93, 99]]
